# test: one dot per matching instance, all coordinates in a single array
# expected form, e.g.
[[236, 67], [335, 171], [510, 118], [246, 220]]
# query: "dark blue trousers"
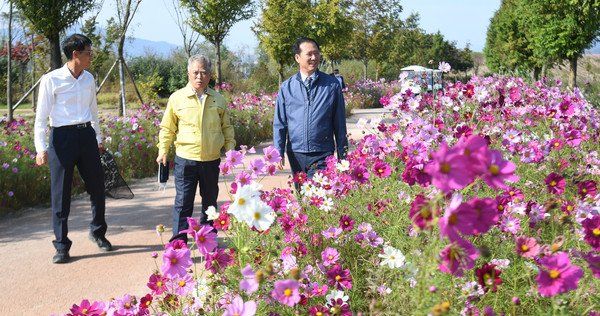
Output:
[[70, 147], [309, 163], [190, 174]]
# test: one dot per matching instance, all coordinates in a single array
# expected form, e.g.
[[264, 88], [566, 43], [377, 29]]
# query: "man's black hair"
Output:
[[76, 42], [298, 42]]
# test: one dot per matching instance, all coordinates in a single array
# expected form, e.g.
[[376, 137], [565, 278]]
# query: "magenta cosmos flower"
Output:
[[346, 222], [447, 169], [176, 262], [339, 277], [360, 174], [286, 292], [381, 169], [206, 239], [593, 262], [459, 256], [239, 308], [458, 217], [591, 228], [330, 256], [587, 188], [217, 261], [86, 308], [496, 170], [487, 214], [527, 247], [556, 183], [557, 275], [420, 212]]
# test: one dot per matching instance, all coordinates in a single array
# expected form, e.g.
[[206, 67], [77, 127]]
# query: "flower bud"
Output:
[[160, 228], [516, 300], [259, 276], [295, 273], [269, 269], [432, 289]]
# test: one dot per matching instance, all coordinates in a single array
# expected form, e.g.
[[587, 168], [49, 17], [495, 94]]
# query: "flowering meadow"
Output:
[[480, 200], [131, 139]]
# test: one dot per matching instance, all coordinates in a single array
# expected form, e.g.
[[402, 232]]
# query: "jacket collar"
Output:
[[189, 90], [316, 73]]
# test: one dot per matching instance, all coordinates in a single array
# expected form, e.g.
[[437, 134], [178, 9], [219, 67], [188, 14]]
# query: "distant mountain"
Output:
[[140, 47]]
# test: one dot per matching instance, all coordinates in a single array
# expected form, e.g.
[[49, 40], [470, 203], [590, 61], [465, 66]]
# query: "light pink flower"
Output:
[[286, 292]]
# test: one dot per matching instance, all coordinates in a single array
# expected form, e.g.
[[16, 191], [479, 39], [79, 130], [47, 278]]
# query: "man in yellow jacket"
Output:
[[197, 116]]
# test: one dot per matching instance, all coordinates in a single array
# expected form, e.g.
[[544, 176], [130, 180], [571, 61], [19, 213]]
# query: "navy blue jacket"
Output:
[[309, 123]]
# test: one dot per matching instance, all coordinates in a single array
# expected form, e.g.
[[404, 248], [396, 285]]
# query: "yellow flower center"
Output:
[[553, 183], [241, 201], [182, 283], [524, 248], [425, 213], [494, 169], [127, 305], [554, 274], [445, 168], [596, 232], [337, 277], [453, 219], [201, 239], [392, 257], [174, 260], [85, 311], [287, 292], [256, 215], [584, 190]]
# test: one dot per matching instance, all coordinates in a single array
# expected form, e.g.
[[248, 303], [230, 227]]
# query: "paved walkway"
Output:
[[31, 285]]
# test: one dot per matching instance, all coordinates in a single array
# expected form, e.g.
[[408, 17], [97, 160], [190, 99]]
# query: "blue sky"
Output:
[[458, 20]]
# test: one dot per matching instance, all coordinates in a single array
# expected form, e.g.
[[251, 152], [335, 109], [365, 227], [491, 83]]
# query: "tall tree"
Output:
[[101, 42], [374, 22], [564, 29], [280, 24], [214, 18], [331, 26], [181, 17], [52, 17]]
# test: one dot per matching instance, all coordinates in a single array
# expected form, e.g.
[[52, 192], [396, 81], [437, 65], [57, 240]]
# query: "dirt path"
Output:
[[31, 285]]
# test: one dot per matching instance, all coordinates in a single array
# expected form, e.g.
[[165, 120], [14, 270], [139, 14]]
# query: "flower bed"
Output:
[[132, 140], [482, 199]]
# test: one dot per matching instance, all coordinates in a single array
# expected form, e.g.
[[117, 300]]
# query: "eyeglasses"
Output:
[[90, 52]]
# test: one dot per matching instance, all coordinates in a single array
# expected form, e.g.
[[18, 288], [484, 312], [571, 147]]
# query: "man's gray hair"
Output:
[[205, 61]]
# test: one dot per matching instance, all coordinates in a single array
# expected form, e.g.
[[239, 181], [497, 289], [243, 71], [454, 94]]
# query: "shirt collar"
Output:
[[313, 76], [190, 92]]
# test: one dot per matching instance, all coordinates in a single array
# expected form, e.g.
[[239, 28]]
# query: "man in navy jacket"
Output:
[[309, 114]]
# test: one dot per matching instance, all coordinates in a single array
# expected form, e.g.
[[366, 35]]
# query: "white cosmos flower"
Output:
[[212, 214], [392, 257], [335, 294], [261, 216], [343, 165], [242, 204], [362, 122]]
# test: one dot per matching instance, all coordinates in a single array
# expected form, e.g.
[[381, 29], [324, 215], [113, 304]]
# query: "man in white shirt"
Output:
[[67, 98]]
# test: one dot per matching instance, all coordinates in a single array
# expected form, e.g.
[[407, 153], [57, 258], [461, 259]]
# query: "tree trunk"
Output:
[[365, 63], [280, 71], [535, 75], [33, 94], [55, 58], [573, 73], [544, 69], [123, 108], [8, 69], [218, 53]]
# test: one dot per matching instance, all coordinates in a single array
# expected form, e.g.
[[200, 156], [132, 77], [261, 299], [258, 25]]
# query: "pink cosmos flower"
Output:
[[447, 169], [458, 217], [85, 308], [511, 224], [234, 158], [573, 137], [182, 286], [272, 155], [157, 284], [316, 290], [459, 256], [556, 183], [225, 168], [243, 178], [318, 310], [527, 247], [557, 275], [217, 261], [125, 305], [487, 214], [206, 239], [176, 262], [381, 169], [364, 227], [330, 256], [258, 167], [249, 283], [360, 174], [286, 292], [373, 239], [346, 222], [497, 170], [339, 277], [591, 228], [239, 308], [332, 232], [593, 262], [587, 188], [420, 212]]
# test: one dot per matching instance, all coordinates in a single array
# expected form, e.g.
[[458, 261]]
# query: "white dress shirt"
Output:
[[65, 100]]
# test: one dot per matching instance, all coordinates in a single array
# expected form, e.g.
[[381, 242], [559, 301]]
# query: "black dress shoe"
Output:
[[61, 256], [102, 242]]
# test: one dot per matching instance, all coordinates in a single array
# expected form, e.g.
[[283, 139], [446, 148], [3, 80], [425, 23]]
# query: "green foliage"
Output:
[[51, 18], [149, 86], [332, 27], [214, 18], [280, 24], [152, 65]]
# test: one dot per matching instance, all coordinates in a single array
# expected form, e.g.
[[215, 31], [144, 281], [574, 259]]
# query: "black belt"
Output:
[[76, 126]]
